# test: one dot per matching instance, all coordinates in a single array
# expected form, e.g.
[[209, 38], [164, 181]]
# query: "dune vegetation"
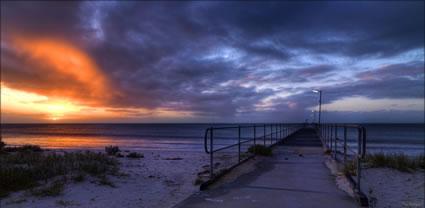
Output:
[[398, 161], [45, 173]]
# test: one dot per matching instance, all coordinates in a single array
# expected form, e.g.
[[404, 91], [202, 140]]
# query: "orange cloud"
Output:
[[53, 80], [63, 62]]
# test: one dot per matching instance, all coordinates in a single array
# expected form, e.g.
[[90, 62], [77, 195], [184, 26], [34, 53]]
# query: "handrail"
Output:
[[328, 133], [281, 131]]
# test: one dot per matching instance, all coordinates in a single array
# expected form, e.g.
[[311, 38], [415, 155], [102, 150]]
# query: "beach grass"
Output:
[[2, 145], [260, 150], [63, 203], [33, 148], [135, 155], [105, 181], [350, 168], [30, 168], [18, 201], [112, 150], [198, 181], [52, 189], [398, 161]]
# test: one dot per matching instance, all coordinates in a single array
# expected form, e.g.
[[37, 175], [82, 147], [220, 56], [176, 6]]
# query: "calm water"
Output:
[[407, 138]]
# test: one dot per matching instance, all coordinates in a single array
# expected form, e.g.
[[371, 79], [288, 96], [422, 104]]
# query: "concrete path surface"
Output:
[[296, 176]]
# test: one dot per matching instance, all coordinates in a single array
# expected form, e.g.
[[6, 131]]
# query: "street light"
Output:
[[320, 102]]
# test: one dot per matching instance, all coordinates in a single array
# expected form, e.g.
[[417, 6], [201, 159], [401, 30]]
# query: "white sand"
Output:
[[385, 187], [341, 181], [392, 188], [153, 181]]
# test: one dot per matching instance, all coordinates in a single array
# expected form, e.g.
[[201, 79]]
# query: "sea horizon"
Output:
[[386, 137]]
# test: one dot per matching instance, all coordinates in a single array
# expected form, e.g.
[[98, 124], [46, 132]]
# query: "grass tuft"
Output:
[[420, 161], [2, 145], [135, 155], [398, 161], [19, 201], [197, 181], [260, 150], [79, 177], [112, 150], [25, 148], [53, 189], [63, 203], [350, 168], [105, 181]]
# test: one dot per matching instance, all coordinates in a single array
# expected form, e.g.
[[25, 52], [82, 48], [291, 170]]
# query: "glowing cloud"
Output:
[[65, 61]]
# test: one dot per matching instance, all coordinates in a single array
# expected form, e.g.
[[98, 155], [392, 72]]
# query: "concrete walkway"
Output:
[[296, 176]]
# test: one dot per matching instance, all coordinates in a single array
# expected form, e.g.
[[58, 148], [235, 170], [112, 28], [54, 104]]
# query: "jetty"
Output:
[[295, 176]]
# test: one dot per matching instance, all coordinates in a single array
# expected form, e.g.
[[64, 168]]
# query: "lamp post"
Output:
[[320, 102]]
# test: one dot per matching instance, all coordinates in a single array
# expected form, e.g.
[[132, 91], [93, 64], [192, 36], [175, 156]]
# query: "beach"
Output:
[[387, 187], [384, 187], [160, 179]]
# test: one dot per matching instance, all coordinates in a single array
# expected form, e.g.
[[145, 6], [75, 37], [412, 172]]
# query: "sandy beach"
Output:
[[387, 187], [160, 179], [164, 178]]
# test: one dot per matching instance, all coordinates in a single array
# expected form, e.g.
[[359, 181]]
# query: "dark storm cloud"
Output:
[[172, 55], [354, 29], [41, 18]]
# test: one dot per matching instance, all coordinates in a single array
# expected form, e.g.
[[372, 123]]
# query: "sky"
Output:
[[218, 61]]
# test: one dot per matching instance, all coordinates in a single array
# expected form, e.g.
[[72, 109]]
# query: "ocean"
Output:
[[406, 138]]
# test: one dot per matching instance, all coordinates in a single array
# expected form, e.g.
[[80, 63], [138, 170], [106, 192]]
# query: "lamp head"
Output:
[[316, 91]]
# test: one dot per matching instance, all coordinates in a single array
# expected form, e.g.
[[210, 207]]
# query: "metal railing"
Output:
[[277, 133], [329, 135]]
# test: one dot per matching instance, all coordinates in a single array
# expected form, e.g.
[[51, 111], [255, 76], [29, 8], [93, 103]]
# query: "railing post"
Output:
[[323, 127], [286, 130], [363, 142], [280, 131], [211, 153], [336, 143], [326, 135], [276, 132], [239, 144], [331, 133], [271, 134], [264, 135], [345, 146], [255, 136], [358, 159]]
